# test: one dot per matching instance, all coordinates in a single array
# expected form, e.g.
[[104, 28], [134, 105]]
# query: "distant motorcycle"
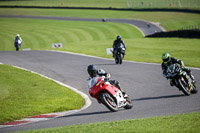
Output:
[[187, 86], [103, 20], [109, 95], [119, 54], [18, 44]]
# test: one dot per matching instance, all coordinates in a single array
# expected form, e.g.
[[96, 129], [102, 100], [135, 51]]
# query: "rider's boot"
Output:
[[193, 80], [192, 77], [116, 84], [189, 72], [187, 80], [124, 93]]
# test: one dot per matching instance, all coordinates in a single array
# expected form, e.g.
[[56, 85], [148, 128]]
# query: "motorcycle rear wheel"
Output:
[[183, 86], [109, 101]]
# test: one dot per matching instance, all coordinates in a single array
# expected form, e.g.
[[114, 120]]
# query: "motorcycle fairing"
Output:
[[120, 99], [102, 86]]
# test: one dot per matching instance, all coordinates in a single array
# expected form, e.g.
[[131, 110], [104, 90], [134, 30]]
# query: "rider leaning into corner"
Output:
[[117, 43], [168, 60], [94, 73]]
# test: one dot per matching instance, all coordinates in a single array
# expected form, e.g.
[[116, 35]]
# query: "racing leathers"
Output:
[[173, 60], [17, 42], [106, 78], [116, 45]]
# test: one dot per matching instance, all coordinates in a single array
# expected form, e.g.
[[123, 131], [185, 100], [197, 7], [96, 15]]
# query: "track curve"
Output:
[[148, 89], [147, 28]]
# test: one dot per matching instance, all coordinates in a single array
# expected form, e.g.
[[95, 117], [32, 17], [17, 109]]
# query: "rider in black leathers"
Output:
[[116, 43], [168, 60]]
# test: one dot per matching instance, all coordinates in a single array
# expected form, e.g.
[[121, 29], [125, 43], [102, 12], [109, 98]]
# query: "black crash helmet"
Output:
[[92, 70]]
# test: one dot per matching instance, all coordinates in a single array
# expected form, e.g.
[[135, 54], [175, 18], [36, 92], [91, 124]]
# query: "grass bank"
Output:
[[26, 94], [169, 20], [93, 38], [183, 123]]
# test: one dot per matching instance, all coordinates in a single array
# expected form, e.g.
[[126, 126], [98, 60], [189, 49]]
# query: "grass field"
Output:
[[94, 37], [184, 123], [26, 94], [108, 3]]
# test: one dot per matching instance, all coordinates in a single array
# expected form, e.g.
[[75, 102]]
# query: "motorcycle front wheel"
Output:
[[109, 101], [194, 89], [17, 47], [116, 61], [183, 86], [120, 56], [129, 104]]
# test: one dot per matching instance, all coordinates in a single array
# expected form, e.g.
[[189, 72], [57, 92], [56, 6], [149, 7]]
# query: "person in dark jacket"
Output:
[[117, 44]]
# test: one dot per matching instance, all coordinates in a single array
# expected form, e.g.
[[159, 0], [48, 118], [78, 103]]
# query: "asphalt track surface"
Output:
[[149, 91]]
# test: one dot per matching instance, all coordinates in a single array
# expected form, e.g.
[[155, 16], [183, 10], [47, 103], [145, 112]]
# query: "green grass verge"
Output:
[[183, 123], [26, 94], [93, 38], [170, 21], [108, 3]]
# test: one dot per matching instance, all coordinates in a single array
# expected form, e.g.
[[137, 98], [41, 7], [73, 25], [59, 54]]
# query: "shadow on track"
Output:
[[86, 114], [104, 64], [159, 97]]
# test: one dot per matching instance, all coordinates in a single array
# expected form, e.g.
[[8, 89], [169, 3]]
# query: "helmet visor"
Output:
[[92, 73], [166, 59]]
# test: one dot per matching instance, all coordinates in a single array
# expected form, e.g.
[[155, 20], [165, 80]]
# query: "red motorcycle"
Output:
[[108, 95]]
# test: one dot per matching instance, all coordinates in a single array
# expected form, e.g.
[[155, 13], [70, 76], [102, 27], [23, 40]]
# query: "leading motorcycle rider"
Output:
[[94, 73], [117, 42], [17, 39], [168, 60]]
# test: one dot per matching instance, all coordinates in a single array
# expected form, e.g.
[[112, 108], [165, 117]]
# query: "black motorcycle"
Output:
[[181, 79], [119, 54], [17, 44]]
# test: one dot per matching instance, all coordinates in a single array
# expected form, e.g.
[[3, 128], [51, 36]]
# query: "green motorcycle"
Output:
[[181, 79]]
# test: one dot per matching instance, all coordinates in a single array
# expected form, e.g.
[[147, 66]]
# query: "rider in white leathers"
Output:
[[95, 73], [18, 42]]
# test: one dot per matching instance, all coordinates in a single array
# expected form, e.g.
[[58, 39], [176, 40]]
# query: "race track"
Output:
[[148, 89]]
